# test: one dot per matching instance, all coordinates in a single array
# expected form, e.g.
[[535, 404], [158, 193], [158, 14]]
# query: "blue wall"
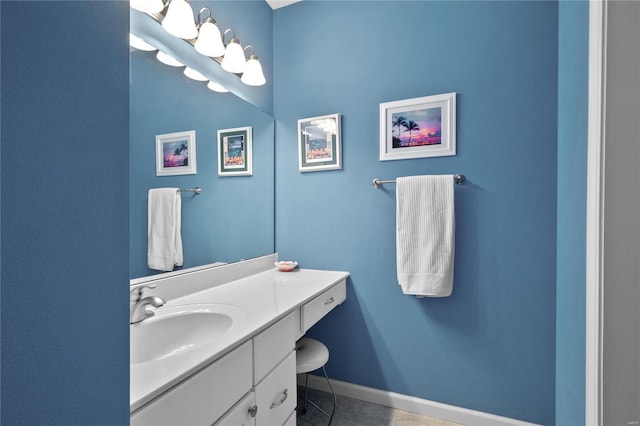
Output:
[[65, 224], [233, 217], [491, 345], [573, 54]]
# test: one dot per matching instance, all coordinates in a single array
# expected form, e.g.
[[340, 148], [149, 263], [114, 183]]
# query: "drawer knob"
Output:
[[284, 397], [253, 410], [330, 301]]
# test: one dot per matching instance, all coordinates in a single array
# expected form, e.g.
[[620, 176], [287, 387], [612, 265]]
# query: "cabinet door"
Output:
[[291, 421], [203, 397], [276, 395], [272, 345], [242, 414]]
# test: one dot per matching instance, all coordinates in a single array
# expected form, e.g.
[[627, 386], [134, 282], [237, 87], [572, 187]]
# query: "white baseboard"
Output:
[[412, 404]]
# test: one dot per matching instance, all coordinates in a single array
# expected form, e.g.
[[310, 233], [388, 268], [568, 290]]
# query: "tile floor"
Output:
[[353, 412]]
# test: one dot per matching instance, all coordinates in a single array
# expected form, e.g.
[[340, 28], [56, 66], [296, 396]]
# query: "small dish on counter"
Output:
[[286, 265]]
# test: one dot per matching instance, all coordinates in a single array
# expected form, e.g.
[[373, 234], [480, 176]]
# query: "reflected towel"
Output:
[[425, 235], [164, 229]]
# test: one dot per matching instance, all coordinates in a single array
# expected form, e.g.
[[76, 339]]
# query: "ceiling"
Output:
[[277, 4]]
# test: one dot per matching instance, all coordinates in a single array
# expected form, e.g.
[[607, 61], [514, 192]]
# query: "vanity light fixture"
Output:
[[167, 59], [253, 75], [138, 43], [216, 87], [209, 41], [176, 18], [179, 20], [234, 60], [148, 6], [194, 75]]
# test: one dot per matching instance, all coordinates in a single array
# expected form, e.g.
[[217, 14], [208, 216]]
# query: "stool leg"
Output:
[[333, 393], [303, 410]]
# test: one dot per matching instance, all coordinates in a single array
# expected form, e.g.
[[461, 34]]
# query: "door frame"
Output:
[[595, 210]]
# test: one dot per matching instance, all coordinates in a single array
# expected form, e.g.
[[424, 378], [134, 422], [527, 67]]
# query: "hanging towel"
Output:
[[164, 231], [425, 235]]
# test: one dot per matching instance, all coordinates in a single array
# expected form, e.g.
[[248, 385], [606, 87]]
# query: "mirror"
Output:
[[233, 217]]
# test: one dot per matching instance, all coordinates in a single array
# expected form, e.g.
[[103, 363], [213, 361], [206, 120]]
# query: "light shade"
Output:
[[209, 41], [168, 59], [194, 75], [253, 75], [148, 6], [179, 20], [216, 87], [138, 43], [234, 60]]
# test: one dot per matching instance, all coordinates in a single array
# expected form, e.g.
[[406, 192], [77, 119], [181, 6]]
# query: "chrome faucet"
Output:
[[141, 310]]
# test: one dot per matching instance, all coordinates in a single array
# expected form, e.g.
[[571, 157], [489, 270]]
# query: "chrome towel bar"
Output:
[[197, 190], [377, 182]]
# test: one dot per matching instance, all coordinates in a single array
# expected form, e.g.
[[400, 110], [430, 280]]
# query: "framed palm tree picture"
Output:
[[418, 127], [235, 157], [319, 143], [176, 153]]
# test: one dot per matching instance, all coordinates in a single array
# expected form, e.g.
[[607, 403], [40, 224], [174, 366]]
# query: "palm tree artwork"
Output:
[[398, 121], [176, 154], [410, 127], [416, 128]]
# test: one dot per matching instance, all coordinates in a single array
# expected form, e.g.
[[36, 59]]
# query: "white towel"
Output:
[[425, 235], [164, 229]]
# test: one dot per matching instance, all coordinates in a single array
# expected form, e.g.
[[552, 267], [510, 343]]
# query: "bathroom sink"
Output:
[[176, 330]]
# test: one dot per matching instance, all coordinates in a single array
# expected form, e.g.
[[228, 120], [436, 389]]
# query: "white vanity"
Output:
[[241, 373]]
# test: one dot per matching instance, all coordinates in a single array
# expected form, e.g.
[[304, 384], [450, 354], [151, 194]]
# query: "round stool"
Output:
[[312, 355]]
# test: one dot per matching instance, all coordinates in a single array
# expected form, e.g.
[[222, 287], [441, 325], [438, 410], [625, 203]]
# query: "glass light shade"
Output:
[[194, 75], [179, 20], [253, 75], [234, 60], [216, 87], [168, 59], [209, 41], [138, 43], [149, 6]]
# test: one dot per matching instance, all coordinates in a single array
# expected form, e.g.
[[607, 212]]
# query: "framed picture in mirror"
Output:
[[176, 153], [319, 143], [235, 156]]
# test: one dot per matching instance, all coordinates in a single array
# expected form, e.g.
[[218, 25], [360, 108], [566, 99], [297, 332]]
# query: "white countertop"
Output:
[[263, 297]]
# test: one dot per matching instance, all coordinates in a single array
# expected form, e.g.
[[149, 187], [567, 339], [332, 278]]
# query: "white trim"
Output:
[[412, 404], [595, 211]]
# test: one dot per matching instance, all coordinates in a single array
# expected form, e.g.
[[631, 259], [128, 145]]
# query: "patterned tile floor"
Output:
[[353, 412]]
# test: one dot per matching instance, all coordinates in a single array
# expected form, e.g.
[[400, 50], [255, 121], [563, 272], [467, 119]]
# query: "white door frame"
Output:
[[595, 211]]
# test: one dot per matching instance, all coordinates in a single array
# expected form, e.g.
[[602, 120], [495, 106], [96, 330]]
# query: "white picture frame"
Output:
[[319, 143], [235, 152], [176, 153], [418, 127]]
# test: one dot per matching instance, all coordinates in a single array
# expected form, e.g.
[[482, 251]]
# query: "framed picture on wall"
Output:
[[176, 153], [418, 127], [319, 143], [235, 156]]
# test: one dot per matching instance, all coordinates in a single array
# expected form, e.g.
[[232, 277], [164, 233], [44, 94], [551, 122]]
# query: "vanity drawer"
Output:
[[242, 414], [272, 345], [276, 395], [314, 310], [203, 397]]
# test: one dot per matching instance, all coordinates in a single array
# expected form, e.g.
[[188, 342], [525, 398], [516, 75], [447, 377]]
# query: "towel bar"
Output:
[[377, 182], [197, 190]]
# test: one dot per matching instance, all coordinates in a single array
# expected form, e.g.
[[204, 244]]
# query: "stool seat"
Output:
[[310, 355]]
